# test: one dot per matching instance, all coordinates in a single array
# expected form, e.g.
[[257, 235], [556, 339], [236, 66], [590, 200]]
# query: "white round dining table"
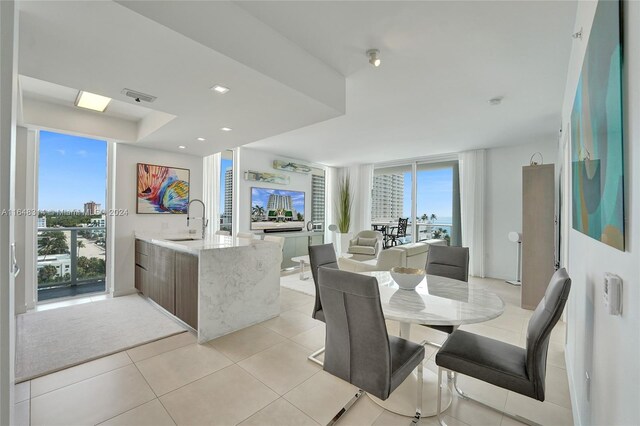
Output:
[[435, 301]]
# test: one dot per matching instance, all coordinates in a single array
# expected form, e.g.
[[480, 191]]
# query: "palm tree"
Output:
[[80, 245], [258, 211], [433, 216], [424, 217]]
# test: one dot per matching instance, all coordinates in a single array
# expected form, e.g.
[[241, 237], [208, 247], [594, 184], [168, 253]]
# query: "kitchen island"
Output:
[[216, 285]]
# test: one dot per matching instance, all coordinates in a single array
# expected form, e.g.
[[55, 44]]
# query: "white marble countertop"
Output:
[[437, 301], [193, 244]]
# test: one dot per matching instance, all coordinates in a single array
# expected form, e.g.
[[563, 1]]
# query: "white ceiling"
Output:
[[103, 47], [441, 63], [295, 67]]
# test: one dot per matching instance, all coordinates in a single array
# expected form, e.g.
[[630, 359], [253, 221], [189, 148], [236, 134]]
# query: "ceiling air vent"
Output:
[[138, 96]]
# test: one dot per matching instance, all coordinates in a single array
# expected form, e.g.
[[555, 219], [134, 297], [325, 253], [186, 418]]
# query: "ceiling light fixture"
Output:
[[92, 101], [226, 129], [201, 139], [182, 147], [220, 89], [496, 101], [373, 57]]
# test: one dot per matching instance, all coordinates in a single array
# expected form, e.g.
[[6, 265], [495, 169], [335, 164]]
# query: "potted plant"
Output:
[[343, 212]]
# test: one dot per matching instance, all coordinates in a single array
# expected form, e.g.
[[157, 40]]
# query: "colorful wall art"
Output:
[[266, 177], [596, 133], [162, 189], [291, 167]]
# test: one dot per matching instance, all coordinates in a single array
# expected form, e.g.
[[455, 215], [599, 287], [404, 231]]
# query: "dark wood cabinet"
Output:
[[169, 278], [140, 279], [161, 282], [186, 273]]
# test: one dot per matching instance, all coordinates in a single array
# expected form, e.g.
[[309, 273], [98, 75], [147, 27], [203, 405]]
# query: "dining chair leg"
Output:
[[313, 357], [346, 407], [416, 418], [466, 397], [439, 402]]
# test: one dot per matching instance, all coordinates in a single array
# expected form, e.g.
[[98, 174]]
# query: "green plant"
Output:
[[343, 206]]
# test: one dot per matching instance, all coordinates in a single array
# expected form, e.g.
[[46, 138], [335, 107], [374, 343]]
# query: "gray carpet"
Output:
[[51, 340]]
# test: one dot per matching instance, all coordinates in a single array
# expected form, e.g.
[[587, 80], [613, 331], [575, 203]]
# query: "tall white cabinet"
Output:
[[538, 232]]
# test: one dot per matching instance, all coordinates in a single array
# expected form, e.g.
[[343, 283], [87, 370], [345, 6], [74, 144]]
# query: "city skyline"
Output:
[[72, 170], [224, 166]]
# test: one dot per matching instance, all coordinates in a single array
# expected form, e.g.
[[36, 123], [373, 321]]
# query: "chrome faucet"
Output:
[[205, 222]]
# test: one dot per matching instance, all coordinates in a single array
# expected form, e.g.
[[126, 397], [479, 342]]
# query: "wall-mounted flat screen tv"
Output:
[[276, 209]]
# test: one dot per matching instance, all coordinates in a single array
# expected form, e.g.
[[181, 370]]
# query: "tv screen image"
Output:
[[276, 209]]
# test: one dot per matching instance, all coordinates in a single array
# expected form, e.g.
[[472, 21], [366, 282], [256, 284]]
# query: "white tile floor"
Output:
[[261, 376]]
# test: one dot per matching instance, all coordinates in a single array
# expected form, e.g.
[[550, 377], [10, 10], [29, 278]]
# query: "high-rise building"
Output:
[[279, 202], [91, 208], [42, 222], [228, 196], [317, 198], [387, 196]]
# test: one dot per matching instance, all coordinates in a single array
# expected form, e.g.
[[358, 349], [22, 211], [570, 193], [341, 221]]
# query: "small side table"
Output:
[[304, 260]]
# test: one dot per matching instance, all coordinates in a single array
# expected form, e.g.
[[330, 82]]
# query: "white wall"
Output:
[[607, 347], [260, 161], [124, 197], [503, 203]]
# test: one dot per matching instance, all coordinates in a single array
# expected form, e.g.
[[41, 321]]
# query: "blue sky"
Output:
[[435, 192], [72, 171]]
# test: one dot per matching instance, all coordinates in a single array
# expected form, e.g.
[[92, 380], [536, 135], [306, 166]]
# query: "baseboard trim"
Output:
[[126, 292], [572, 390]]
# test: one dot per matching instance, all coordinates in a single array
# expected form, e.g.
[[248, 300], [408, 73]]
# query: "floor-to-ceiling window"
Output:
[[391, 200], [72, 186], [438, 202], [426, 194], [226, 191]]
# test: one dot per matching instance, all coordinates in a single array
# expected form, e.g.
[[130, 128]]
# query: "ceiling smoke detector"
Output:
[[138, 96]]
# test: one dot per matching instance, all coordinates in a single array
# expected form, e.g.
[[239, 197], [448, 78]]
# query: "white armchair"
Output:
[[366, 243]]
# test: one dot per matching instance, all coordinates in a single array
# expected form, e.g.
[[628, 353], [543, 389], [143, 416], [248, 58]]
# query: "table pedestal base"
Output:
[[403, 400]]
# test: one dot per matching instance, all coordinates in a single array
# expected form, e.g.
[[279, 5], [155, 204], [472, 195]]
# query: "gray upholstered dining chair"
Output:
[[521, 370], [450, 262], [358, 348], [320, 255]]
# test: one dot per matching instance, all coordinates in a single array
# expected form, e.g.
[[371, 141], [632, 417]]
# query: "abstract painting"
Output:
[[291, 167], [162, 189], [266, 177], [596, 133]]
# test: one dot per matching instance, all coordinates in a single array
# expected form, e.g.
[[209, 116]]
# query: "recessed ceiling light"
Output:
[[201, 139], [220, 89], [182, 147], [226, 129], [496, 101], [92, 101]]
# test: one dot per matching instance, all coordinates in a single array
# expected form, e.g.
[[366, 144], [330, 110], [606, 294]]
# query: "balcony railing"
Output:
[[71, 261], [425, 230]]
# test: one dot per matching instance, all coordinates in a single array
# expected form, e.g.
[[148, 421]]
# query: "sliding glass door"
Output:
[[71, 227], [426, 194], [391, 200]]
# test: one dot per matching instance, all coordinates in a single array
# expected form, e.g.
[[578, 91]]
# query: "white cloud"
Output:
[[61, 151]]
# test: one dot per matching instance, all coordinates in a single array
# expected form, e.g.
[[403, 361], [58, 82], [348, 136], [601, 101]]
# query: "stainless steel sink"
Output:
[[182, 239]]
